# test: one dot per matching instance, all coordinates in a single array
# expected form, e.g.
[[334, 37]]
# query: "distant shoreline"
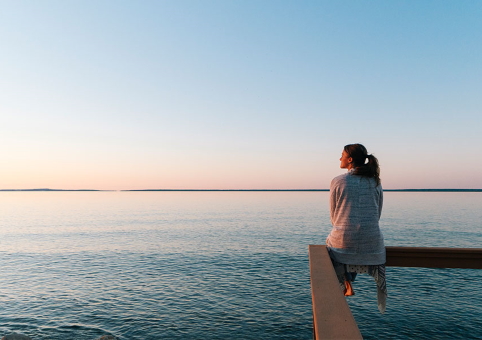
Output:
[[435, 190], [250, 190], [408, 190], [53, 190]]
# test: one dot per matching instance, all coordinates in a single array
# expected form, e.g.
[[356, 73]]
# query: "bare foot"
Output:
[[348, 289]]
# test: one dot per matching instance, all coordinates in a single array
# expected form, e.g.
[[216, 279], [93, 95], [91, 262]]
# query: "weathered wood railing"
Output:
[[332, 318]]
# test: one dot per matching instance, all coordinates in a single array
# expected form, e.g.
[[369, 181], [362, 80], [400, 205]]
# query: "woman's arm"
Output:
[[333, 200], [380, 201]]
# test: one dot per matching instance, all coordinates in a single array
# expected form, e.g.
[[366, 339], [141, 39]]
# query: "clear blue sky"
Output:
[[238, 94]]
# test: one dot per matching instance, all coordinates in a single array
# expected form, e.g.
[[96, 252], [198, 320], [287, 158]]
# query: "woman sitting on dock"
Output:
[[355, 242]]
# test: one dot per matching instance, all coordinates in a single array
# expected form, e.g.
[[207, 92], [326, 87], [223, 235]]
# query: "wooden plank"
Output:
[[434, 257], [332, 318]]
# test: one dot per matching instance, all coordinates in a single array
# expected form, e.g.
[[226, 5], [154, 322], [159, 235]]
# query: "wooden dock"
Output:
[[332, 317]]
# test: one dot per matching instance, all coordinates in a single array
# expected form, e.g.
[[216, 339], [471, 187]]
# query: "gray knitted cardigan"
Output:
[[355, 209]]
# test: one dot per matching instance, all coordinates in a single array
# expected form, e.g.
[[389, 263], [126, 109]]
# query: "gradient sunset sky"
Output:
[[238, 94]]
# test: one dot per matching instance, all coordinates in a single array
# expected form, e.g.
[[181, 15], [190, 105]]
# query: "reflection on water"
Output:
[[216, 265]]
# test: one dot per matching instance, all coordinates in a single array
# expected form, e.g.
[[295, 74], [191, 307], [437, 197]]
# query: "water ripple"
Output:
[[215, 267]]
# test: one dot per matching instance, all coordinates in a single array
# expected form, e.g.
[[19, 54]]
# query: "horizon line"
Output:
[[313, 190]]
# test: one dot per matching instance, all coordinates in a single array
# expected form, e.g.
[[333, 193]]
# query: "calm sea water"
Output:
[[219, 265]]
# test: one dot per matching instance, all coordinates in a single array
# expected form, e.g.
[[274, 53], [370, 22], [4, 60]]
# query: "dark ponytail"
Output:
[[359, 155]]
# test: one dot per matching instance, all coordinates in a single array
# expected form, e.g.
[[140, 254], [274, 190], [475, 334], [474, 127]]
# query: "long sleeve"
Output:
[[380, 201], [333, 200]]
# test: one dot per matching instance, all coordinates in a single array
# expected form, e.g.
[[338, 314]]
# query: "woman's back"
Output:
[[355, 209], [358, 201]]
